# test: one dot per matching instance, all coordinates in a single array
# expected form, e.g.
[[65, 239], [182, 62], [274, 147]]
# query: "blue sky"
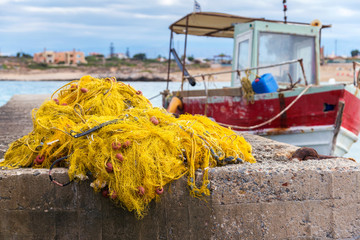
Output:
[[142, 26]]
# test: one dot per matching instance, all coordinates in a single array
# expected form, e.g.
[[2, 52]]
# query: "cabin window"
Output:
[[275, 48], [243, 53]]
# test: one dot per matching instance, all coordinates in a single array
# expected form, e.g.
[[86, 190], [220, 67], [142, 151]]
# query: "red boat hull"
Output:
[[318, 107]]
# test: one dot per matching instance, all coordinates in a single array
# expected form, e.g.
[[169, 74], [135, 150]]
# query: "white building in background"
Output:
[[120, 55]]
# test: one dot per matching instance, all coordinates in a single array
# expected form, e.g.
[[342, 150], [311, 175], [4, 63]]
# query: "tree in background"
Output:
[[22, 54], [140, 56], [354, 53]]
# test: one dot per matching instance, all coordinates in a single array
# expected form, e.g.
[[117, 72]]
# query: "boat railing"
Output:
[[300, 61]]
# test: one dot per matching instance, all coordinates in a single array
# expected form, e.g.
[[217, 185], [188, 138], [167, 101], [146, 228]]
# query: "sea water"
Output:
[[149, 89]]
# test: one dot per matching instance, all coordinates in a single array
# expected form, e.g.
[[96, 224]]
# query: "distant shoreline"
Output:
[[68, 80], [340, 72], [71, 76]]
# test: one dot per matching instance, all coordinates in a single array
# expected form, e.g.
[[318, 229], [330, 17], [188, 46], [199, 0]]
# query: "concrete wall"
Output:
[[272, 199]]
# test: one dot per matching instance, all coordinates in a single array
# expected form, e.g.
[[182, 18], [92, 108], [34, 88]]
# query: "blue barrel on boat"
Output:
[[265, 84]]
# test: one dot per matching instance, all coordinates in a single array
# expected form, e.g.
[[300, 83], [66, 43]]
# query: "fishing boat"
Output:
[[275, 86]]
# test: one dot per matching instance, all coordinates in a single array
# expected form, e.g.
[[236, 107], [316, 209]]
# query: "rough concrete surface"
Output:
[[15, 118], [272, 199]]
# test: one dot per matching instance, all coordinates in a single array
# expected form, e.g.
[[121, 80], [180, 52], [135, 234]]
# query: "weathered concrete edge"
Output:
[[272, 200]]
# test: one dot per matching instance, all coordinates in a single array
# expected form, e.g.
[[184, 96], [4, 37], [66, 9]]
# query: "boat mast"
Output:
[[185, 44], [285, 9], [169, 59]]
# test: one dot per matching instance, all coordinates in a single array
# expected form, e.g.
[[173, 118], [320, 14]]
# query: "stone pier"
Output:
[[274, 198]]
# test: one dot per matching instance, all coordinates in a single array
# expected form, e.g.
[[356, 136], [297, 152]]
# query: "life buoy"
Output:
[[316, 23], [174, 105]]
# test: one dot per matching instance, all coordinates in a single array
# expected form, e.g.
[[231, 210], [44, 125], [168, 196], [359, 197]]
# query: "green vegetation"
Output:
[[96, 60], [147, 61], [44, 66], [41, 66], [116, 62], [198, 65], [23, 55], [355, 53], [99, 60], [140, 56]]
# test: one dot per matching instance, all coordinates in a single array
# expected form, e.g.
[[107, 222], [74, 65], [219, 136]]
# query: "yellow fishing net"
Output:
[[109, 132]]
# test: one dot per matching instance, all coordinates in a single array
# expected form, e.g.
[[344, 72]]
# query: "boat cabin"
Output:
[[263, 43], [260, 43]]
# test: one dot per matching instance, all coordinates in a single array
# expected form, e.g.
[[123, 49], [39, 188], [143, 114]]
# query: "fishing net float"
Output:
[[108, 132]]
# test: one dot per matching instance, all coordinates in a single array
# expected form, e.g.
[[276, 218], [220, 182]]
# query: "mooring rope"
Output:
[[273, 118]]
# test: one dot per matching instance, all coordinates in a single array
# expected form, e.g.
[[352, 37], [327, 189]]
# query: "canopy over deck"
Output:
[[214, 24]]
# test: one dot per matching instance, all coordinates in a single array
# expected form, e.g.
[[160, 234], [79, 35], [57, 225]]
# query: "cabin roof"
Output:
[[213, 24]]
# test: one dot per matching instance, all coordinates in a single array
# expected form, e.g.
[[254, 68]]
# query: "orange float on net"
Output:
[[113, 195], [105, 193], [154, 120], [84, 90], [56, 101], [126, 144], [141, 191], [109, 167], [159, 190], [39, 159], [120, 157], [116, 146]]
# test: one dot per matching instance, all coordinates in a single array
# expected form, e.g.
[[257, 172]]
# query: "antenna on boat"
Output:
[[285, 9]]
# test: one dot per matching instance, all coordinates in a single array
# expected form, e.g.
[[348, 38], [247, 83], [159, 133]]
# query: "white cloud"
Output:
[[168, 2], [147, 16], [346, 12], [64, 10], [11, 1], [141, 19]]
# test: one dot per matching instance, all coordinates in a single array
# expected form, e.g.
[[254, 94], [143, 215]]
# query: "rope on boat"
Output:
[[246, 87], [273, 118], [155, 96], [246, 69], [207, 95]]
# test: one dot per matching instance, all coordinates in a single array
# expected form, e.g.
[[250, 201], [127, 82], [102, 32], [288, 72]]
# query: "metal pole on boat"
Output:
[[183, 69], [321, 55], [303, 70], [354, 68], [169, 60], [244, 69]]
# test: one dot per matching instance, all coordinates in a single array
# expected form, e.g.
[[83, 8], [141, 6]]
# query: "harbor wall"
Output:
[[273, 200]]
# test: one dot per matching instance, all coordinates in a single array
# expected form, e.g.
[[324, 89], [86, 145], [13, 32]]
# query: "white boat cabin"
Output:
[[263, 43]]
